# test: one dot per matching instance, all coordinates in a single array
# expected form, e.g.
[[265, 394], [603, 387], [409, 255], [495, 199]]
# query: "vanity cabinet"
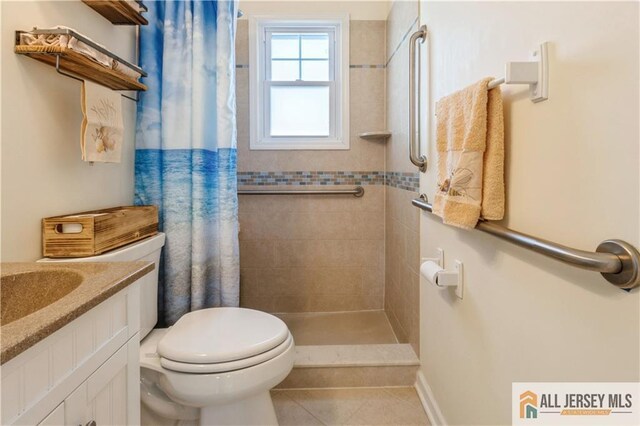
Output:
[[87, 371], [55, 418], [104, 397]]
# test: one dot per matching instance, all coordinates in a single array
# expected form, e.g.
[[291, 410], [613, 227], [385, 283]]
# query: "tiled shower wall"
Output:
[[316, 253], [327, 253], [402, 254]]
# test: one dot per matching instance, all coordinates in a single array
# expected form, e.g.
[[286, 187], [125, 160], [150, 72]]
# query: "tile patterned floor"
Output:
[[353, 406], [340, 328]]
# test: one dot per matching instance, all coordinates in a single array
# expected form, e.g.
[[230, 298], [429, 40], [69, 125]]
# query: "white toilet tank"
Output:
[[143, 250]]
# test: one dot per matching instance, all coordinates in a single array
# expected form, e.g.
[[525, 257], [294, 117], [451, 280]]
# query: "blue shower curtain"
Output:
[[186, 151]]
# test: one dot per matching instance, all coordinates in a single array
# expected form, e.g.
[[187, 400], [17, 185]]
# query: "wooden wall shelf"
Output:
[[81, 66], [118, 12]]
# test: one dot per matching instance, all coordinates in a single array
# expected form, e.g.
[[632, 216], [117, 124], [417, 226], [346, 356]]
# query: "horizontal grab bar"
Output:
[[358, 191], [617, 261]]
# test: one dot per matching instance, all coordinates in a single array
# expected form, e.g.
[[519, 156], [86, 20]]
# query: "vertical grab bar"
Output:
[[418, 160]]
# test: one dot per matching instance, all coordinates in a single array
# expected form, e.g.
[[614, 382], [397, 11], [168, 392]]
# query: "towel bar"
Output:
[[534, 73], [66, 74], [358, 191], [617, 261]]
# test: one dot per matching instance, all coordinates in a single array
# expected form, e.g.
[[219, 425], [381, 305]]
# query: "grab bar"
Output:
[[418, 160], [358, 191], [617, 261]]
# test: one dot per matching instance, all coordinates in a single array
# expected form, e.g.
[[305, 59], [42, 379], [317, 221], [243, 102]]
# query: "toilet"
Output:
[[214, 366]]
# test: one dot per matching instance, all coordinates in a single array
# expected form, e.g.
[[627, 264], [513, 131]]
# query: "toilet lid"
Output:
[[218, 335], [224, 367]]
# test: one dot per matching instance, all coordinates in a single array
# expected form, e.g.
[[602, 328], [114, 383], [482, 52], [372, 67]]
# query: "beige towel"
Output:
[[101, 135], [470, 143]]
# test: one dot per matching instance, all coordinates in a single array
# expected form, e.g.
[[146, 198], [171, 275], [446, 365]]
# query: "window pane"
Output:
[[285, 45], [315, 46], [285, 70], [299, 111], [315, 70]]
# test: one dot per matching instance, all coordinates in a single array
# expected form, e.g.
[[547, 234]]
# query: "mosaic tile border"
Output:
[[401, 180], [310, 178], [365, 66]]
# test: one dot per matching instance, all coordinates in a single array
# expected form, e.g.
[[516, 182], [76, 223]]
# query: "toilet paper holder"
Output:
[[445, 278]]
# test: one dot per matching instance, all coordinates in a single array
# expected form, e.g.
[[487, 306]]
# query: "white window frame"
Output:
[[259, 29]]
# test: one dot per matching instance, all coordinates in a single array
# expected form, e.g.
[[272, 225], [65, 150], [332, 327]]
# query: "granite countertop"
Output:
[[99, 282]]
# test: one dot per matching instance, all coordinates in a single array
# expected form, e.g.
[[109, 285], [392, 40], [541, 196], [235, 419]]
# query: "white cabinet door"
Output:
[[55, 418], [111, 395], [34, 383]]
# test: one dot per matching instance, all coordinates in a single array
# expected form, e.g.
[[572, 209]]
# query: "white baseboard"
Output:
[[429, 402]]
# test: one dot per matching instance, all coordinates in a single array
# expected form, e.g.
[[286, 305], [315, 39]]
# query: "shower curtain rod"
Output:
[[617, 261]]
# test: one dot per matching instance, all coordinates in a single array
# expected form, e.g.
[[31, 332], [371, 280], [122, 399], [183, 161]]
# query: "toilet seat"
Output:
[[223, 367], [218, 340], [219, 335]]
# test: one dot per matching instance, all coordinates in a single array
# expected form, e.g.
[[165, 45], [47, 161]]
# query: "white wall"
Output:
[[357, 9], [42, 170], [572, 177]]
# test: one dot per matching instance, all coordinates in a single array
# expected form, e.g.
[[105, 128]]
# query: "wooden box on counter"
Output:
[[98, 231]]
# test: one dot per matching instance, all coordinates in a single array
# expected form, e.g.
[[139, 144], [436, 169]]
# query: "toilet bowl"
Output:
[[222, 361], [213, 366]]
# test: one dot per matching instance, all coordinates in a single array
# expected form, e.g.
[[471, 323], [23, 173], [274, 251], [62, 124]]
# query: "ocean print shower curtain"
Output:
[[186, 151]]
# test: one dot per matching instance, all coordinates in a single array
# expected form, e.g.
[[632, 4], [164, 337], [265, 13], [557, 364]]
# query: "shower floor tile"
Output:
[[340, 328]]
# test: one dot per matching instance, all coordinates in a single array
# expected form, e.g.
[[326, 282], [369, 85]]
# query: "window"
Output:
[[299, 84]]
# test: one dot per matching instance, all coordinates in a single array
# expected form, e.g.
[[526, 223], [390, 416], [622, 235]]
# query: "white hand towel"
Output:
[[101, 135]]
